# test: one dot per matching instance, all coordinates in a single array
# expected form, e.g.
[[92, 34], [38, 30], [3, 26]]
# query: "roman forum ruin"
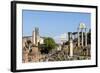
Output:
[[81, 28], [77, 48]]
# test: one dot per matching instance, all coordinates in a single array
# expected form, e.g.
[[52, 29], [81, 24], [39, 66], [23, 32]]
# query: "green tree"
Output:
[[49, 43]]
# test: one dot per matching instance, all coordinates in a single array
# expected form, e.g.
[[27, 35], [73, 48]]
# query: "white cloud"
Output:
[[61, 38]]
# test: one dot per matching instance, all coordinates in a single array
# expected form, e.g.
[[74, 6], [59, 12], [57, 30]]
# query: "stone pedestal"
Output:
[[34, 54], [25, 55]]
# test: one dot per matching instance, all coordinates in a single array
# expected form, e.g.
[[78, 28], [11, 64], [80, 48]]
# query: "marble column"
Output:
[[68, 36], [33, 37], [78, 38], [71, 48], [85, 37], [71, 45], [82, 37]]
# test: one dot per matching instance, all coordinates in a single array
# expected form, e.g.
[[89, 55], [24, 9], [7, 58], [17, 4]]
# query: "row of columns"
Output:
[[82, 37], [78, 36]]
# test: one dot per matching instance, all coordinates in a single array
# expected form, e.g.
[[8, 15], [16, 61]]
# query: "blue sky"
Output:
[[53, 23]]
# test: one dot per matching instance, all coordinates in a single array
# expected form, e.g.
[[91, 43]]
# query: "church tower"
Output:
[[35, 36]]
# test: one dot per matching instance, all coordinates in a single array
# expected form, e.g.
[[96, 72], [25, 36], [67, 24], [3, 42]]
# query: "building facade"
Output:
[[35, 38]]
